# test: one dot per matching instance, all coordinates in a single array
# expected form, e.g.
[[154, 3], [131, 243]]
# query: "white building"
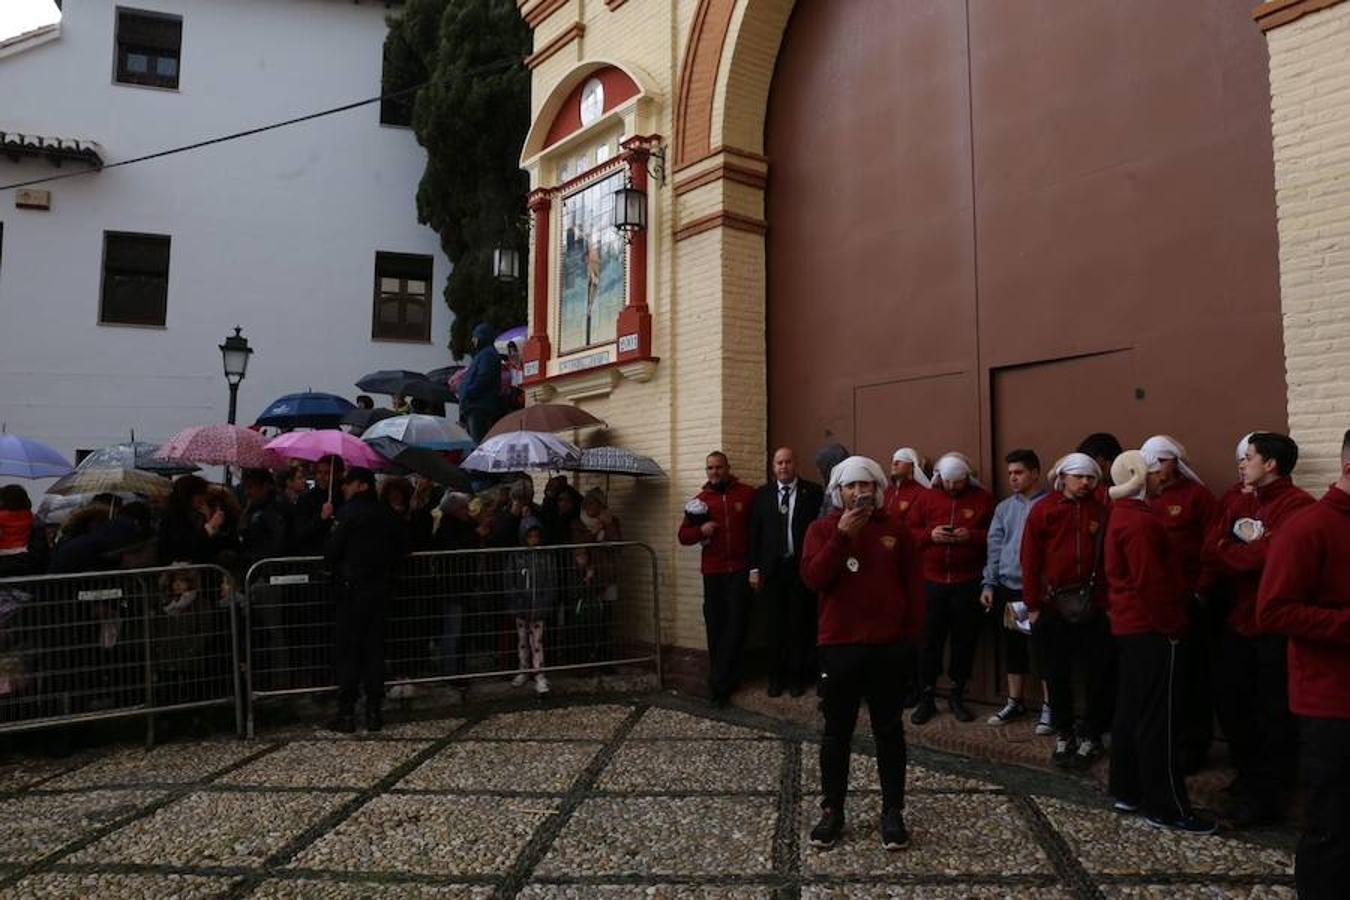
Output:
[[117, 289]]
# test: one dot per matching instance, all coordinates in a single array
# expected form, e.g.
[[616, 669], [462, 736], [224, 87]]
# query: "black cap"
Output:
[[356, 473]]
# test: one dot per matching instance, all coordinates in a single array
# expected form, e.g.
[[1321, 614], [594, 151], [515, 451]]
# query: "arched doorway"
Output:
[[995, 225]]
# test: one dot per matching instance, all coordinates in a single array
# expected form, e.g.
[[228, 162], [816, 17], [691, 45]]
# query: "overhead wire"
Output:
[[484, 69]]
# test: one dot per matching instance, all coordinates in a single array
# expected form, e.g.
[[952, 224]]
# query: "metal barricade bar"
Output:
[[95, 646], [459, 615]]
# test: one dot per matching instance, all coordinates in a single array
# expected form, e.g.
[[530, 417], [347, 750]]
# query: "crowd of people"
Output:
[[362, 525], [1117, 569]]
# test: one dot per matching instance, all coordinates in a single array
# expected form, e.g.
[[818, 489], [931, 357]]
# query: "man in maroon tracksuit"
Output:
[[1305, 595], [861, 561], [1061, 546], [950, 526], [1253, 693], [719, 519], [1145, 585]]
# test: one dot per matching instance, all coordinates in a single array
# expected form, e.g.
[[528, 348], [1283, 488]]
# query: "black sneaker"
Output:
[[1125, 807], [374, 720], [1011, 712], [894, 835], [1065, 750], [956, 702], [826, 833], [925, 710], [1191, 824], [1087, 753], [343, 724]]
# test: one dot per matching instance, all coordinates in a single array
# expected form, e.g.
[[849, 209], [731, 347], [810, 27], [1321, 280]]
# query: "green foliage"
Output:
[[472, 124]]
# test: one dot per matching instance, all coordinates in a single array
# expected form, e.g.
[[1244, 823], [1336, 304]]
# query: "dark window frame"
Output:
[[115, 270], [155, 36], [404, 267]]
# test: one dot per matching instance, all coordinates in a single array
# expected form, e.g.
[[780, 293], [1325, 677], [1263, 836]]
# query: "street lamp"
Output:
[[234, 353], [506, 263], [630, 210]]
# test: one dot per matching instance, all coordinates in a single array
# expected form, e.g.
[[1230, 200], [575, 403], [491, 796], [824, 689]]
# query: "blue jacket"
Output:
[[481, 386], [1003, 563]]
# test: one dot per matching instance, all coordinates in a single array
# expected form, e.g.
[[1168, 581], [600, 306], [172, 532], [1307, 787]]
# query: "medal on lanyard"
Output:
[[853, 564]]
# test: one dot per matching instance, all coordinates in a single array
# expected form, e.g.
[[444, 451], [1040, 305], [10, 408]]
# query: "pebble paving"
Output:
[[650, 797]]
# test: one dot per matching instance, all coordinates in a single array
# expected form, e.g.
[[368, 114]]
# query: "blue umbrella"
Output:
[[307, 410], [22, 457]]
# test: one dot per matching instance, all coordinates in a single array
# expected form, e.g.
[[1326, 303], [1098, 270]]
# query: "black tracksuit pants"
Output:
[[1146, 735], [952, 611], [1060, 647], [1322, 866], [791, 609], [726, 614], [360, 644], [850, 674], [1253, 704]]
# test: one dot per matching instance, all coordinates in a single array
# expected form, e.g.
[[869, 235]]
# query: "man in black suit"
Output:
[[782, 511]]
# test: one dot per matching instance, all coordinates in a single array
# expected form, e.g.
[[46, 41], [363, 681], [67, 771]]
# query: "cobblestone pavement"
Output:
[[613, 798]]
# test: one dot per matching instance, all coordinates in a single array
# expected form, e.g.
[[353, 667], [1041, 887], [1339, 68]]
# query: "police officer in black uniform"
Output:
[[365, 545]]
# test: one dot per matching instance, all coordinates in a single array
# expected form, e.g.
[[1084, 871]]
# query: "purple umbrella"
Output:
[[515, 335], [22, 457]]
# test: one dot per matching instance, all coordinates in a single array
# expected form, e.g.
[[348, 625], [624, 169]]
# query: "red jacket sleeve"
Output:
[[823, 555], [1283, 605], [1033, 546], [689, 535]]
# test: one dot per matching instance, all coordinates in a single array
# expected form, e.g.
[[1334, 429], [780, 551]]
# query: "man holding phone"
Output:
[[863, 564], [950, 526]]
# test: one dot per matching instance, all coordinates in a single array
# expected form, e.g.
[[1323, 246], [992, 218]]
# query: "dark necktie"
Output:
[[784, 506]]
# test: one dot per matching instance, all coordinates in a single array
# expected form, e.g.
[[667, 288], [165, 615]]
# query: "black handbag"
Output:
[[1074, 601]]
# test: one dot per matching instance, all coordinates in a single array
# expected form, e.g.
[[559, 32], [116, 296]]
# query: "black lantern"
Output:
[[506, 263], [630, 210], [234, 353]]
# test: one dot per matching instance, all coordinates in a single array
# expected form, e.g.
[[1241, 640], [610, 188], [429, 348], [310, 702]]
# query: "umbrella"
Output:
[[427, 391], [361, 419], [221, 445], [427, 432], [22, 457], [315, 445], [112, 480], [306, 410], [616, 461], [136, 455], [427, 463], [443, 374], [515, 336], [545, 417], [388, 381], [54, 510], [520, 451]]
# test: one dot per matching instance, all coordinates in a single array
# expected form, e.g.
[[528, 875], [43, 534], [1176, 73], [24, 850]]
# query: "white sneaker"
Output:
[[1043, 724], [540, 684], [519, 680]]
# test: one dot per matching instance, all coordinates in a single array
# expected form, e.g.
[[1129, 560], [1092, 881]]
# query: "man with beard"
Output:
[[908, 481]]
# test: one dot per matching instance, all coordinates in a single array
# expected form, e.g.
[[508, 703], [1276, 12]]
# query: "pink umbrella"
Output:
[[221, 445], [315, 445]]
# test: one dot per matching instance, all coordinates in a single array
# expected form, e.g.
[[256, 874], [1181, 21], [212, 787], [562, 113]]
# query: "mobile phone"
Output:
[[864, 501]]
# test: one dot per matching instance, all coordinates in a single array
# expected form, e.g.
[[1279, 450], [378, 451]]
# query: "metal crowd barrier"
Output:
[[106, 645], [460, 615]]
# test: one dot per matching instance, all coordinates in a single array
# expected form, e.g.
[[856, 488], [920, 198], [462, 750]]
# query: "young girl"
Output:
[[534, 574]]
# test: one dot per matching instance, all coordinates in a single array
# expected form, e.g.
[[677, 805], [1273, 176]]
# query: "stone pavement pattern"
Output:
[[646, 798]]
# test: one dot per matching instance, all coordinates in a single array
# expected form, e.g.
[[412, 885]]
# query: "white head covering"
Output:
[[910, 455], [951, 467], [855, 468], [1160, 446], [1074, 464], [1130, 474], [1242, 446]]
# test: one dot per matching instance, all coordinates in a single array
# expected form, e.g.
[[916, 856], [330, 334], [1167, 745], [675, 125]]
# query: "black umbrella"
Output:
[[361, 419], [444, 374], [387, 381], [426, 391], [429, 464]]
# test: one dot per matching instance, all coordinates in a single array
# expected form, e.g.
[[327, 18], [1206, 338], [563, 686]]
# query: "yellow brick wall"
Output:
[[1310, 100]]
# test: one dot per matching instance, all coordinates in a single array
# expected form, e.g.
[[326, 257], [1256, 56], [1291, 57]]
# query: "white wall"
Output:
[[276, 233]]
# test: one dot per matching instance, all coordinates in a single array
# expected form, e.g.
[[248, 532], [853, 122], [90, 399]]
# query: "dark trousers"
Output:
[[1322, 866], [1197, 702], [952, 611], [1063, 647], [791, 608], [849, 674], [1253, 701], [360, 645], [478, 423], [1016, 644], [726, 612], [1146, 736]]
